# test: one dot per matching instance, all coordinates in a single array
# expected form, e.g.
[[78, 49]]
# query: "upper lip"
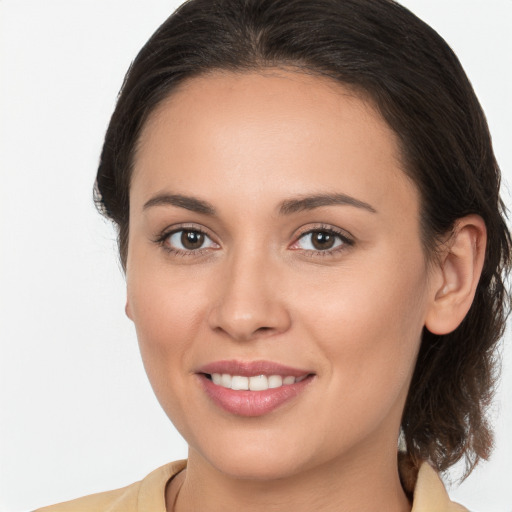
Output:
[[252, 368]]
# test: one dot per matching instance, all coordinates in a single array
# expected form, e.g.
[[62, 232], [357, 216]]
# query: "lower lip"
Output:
[[252, 403]]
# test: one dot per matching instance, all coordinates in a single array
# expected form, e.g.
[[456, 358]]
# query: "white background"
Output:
[[77, 414]]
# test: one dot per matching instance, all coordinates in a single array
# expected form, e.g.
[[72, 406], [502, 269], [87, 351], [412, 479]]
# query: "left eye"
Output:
[[189, 240], [320, 240]]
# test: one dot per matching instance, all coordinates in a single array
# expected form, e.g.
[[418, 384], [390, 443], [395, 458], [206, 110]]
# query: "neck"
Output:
[[365, 484]]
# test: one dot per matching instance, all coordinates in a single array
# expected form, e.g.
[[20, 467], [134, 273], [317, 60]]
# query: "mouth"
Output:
[[252, 388]]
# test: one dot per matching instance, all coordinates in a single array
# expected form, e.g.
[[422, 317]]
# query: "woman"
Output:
[[314, 246]]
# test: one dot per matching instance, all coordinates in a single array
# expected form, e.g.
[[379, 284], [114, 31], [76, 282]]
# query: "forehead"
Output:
[[269, 99], [258, 130]]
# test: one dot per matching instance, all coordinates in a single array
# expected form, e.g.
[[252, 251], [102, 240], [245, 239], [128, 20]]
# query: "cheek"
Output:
[[168, 313], [164, 312], [166, 302], [368, 325]]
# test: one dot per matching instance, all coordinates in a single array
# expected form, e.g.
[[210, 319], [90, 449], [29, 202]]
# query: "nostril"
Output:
[[264, 329]]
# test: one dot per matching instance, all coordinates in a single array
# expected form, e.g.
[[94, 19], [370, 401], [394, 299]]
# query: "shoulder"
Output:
[[430, 493], [103, 501], [146, 494]]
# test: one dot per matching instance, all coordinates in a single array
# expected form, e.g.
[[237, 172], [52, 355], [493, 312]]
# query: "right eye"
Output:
[[184, 241]]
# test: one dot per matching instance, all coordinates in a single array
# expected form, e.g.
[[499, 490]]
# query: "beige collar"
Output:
[[430, 494]]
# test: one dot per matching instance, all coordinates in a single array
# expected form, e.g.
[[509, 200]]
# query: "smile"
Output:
[[252, 388], [255, 383]]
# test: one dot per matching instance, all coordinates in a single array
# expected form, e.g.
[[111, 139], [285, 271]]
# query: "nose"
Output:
[[249, 303]]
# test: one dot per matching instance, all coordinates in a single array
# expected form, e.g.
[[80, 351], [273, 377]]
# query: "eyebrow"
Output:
[[287, 207], [188, 202], [316, 201]]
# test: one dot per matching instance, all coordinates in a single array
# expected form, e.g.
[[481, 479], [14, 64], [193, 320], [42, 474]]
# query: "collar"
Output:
[[430, 494]]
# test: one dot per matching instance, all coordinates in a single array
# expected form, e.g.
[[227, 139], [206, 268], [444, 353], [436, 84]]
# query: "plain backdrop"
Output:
[[77, 414]]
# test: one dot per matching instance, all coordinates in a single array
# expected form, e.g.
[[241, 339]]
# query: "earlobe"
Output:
[[127, 309], [459, 269]]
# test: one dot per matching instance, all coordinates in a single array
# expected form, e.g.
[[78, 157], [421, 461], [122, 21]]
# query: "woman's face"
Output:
[[273, 232]]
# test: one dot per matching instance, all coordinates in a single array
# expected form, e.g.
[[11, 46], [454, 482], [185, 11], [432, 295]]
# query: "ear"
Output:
[[456, 275], [127, 309]]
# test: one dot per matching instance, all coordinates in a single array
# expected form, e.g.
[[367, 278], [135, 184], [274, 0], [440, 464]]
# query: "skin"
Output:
[[257, 289]]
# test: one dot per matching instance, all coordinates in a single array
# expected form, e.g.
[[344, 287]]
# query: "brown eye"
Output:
[[322, 240], [189, 240], [192, 239]]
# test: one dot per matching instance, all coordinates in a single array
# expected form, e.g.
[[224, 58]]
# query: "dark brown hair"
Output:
[[415, 80]]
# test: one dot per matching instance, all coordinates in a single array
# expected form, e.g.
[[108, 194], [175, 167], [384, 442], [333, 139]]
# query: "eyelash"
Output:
[[163, 238], [346, 242]]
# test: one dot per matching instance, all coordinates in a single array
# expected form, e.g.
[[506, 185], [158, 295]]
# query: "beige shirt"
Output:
[[148, 495]]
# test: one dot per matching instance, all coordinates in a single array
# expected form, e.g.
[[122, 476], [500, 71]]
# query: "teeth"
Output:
[[238, 382], [256, 383], [275, 381], [225, 380]]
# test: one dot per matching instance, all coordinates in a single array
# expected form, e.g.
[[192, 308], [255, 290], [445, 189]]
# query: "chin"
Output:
[[255, 456]]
